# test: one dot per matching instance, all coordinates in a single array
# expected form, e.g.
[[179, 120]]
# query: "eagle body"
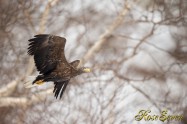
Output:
[[50, 61]]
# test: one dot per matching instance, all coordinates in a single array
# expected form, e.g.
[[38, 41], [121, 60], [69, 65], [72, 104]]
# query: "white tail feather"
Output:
[[28, 82]]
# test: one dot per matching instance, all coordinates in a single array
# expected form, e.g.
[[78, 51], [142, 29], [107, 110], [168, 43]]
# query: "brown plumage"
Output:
[[50, 61]]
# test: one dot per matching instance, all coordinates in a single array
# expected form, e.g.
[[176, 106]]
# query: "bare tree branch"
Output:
[[107, 34], [45, 14], [8, 89], [24, 101]]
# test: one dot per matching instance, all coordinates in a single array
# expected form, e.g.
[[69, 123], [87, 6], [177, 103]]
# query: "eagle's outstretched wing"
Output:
[[48, 51]]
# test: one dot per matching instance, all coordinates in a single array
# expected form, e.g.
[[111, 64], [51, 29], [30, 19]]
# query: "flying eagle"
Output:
[[50, 61]]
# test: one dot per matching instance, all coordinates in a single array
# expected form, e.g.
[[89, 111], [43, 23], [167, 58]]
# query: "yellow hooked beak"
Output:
[[87, 70]]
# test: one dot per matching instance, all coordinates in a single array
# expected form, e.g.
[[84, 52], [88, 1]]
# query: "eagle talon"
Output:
[[39, 82]]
